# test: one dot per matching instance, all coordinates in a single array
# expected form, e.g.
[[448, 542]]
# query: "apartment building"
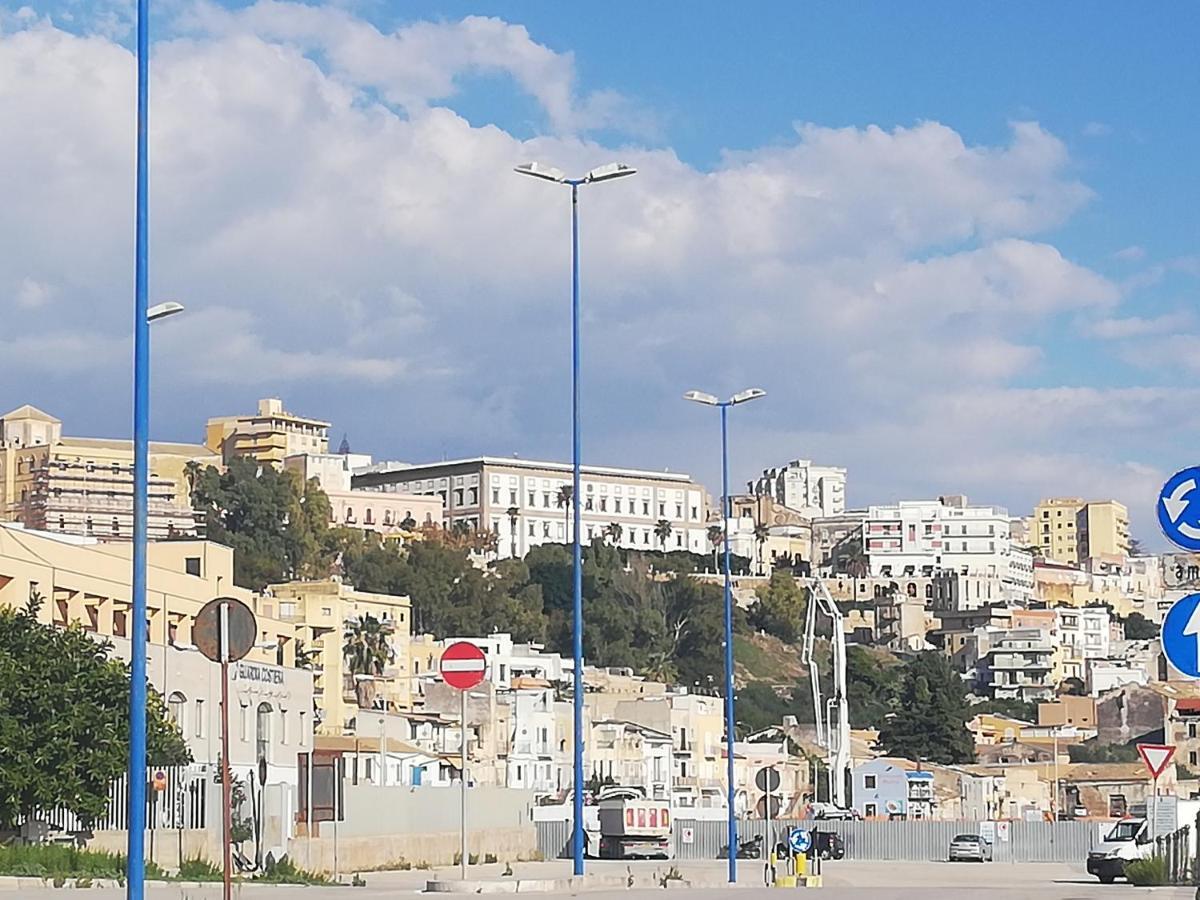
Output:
[[386, 513], [1085, 634], [270, 436], [88, 584], [1019, 666], [322, 614], [84, 486], [809, 489], [526, 503], [1071, 530]]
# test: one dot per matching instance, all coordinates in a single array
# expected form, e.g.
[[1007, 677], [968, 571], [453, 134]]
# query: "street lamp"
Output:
[[608, 172], [726, 513], [136, 861]]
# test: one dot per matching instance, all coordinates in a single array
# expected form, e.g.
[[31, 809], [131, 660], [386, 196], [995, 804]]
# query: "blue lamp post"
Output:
[[709, 400], [135, 858], [603, 173]]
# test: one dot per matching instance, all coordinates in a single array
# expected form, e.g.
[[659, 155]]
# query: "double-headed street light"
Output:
[[603, 173], [726, 513]]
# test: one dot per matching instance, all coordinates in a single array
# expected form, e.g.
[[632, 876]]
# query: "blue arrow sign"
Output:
[[1179, 508], [1181, 635], [799, 840]]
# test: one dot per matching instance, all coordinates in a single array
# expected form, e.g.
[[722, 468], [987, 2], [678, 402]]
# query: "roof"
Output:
[[512, 462], [30, 412], [1133, 771], [1175, 690]]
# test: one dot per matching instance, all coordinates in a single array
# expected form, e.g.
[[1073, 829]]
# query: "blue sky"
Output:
[[958, 244]]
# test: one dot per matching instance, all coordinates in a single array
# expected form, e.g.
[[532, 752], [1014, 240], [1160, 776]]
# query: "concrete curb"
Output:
[[641, 881]]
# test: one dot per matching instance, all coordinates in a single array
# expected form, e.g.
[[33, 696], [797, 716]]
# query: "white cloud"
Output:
[[380, 263], [1132, 253], [33, 294], [1137, 326], [1097, 129]]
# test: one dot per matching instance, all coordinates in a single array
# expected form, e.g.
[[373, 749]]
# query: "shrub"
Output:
[[287, 872], [1146, 872], [199, 869]]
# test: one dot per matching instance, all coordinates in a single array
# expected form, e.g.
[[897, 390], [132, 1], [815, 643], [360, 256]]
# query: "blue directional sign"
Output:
[[1181, 635], [1179, 508], [800, 841]]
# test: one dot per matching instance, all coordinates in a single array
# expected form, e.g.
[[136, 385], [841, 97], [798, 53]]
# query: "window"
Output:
[[512, 498], [870, 811], [869, 782], [645, 507], [695, 513], [176, 706], [262, 731], [191, 565], [283, 729], [545, 501], [1116, 806], [679, 510], [116, 526], [532, 499], [200, 723], [662, 509], [616, 504], [532, 529], [244, 722], [603, 504], [495, 495], [1191, 729], [303, 729]]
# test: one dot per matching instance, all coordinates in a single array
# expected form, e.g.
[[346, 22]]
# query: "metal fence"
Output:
[[1175, 850], [182, 804], [914, 841]]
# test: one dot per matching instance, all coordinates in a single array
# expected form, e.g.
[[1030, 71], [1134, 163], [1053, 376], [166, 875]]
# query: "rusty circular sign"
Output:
[[206, 629]]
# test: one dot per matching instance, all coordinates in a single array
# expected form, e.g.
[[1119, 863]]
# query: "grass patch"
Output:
[[1147, 872], [287, 872], [198, 869], [61, 861]]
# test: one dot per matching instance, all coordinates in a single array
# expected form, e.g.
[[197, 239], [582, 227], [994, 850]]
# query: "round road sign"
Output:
[[463, 665], [206, 629], [799, 840], [767, 779]]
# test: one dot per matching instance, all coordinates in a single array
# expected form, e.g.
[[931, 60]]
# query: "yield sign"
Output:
[[1156, 757]]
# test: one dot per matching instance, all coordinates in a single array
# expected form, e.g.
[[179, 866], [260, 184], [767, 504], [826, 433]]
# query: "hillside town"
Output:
[[1047, 623]]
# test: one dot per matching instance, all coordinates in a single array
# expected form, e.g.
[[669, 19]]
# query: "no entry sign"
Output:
[[463, 665]]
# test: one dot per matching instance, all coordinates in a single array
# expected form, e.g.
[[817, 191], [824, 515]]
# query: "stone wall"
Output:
[[389, 851]]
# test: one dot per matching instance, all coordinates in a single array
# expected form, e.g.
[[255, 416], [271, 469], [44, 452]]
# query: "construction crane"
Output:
[[832, 716]]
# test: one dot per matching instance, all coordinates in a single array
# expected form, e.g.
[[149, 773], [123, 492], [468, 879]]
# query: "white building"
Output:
[[923, 537], [811, 490], [384, 513], [1019, 666], [526, 503], [1086, 632], [534, 757]]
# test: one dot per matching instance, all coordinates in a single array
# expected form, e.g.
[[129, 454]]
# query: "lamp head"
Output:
[[538, 170], [609, 172], [701, 397], [163, 310], [747, 395]]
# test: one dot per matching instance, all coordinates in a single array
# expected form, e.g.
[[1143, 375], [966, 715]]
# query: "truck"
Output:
[[1127, 840], [631, 826]]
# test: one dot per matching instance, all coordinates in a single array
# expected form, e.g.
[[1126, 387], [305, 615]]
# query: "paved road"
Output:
[[843, 881]]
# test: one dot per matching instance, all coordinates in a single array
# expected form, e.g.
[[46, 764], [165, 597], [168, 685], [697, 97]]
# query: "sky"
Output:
[[957, 244]]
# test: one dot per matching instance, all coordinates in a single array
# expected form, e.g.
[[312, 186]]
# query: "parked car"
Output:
[[829, 811], [970, 847]]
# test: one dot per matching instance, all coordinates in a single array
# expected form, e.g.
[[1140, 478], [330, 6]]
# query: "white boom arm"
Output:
[[835, 711]]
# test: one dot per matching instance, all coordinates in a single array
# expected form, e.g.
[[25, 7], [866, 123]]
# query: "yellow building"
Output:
[[322, 613], [271, 435], [1072, 530], [84, 486]]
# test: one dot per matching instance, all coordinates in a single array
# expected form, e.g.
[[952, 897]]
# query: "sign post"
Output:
[[224, 631], [766, 780], [463, 666], [1156, 757]]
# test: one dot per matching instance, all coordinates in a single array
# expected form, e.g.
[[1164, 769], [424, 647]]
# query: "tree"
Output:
[[716, 534], [871, 684], [565, 493], [761, 533], [513, 512], [780, 607], [852, 559], [64, 719], [1073, 686], [662, 531], [1136, 548], [613, 531], [929, 722], [367, 651], [1139, 628], [1023, 710]]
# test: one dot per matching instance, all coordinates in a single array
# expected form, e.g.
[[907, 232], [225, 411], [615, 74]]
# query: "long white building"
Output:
[[523, 502], [925, 537]]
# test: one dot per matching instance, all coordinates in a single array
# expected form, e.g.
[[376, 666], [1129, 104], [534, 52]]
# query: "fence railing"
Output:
[[182, 804], [1176, 849], [913, 841]]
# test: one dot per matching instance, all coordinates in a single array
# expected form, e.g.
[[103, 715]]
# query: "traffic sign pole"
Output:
[[226, 787], [463, 666], [462, 792]]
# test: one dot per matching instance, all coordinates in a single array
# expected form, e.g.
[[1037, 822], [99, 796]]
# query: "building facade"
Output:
[[1072, 530], [526, 503], [386, 513], [1019, 666], [270, 436], [804, 487], [84, 486]]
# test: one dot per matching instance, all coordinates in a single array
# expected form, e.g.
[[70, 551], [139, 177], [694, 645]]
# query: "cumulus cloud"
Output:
[[339, 233], [1132, 253], [1138, 326]]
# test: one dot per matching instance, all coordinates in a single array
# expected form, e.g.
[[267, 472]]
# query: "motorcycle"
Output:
[[751, 849]]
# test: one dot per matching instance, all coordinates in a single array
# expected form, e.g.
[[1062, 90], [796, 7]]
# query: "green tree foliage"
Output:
[[931, 712], [871, 684], [277, 525], [780, 607], [761, 705], [1139, 628], [1024, 710], [64, 719]]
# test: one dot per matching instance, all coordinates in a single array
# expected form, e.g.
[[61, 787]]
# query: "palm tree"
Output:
[[662, 531], [565, 493], [715, 535], [761, 533], [191, 474], [614, 530], [854, 560], [306, 657], [513, 512], [367, 651]]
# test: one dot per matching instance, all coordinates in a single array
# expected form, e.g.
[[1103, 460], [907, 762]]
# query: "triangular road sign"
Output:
[[1156, 757]]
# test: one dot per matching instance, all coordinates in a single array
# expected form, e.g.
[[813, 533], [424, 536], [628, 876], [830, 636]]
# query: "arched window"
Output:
[[912, 589], [263, 732], [929, 590], [177, 709]]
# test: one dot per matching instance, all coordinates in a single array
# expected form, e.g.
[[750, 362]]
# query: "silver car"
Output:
[[970, 847]]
